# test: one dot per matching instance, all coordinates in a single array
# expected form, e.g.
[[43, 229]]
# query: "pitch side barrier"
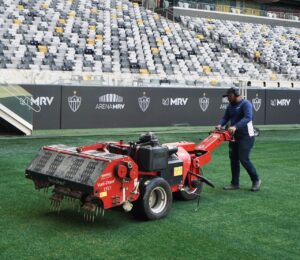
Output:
[[68, 107]]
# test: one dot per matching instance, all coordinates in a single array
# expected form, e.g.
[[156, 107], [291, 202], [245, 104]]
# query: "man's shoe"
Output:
[[256, 185], [231, 187]]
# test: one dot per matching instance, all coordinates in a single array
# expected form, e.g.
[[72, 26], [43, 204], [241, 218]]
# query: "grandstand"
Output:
[[277, 48], [90, 40]]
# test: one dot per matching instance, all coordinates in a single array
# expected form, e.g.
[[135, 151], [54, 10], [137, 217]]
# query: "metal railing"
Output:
[[243, 10], [138, 80]]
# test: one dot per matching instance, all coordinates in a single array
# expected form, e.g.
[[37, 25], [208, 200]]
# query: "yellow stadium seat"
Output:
[[274, 77], [18, 22], [59, 29], [43, 48], [214, 82], [160, 42], [154, 50], [144, 72], [72, 13], [87, 77], [206, 69], [92, 27], [62, 21], [20, 7], [45, 6]]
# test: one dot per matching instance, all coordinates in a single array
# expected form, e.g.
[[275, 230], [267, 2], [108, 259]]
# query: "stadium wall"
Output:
[[65, 107]]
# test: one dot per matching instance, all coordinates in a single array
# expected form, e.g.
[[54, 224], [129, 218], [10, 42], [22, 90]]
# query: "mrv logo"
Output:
[[174, 101], [110, 101], [39, 101], [280, 102], [36, 103]]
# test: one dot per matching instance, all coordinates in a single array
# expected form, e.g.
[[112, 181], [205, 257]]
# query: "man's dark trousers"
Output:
[[239, 152]]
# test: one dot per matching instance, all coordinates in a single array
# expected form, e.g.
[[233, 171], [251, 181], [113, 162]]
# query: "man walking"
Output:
[[239, 113]]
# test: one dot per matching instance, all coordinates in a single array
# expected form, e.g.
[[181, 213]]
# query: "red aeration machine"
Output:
[[141, 176]]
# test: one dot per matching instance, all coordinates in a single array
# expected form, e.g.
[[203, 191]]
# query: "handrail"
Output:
[[125, 79], [288, 14]]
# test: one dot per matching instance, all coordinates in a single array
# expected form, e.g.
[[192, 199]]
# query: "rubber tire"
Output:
[[141, 208], [184, 195]]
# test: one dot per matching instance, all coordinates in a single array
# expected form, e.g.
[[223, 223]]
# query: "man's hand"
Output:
[[232, 130], [218, 127]]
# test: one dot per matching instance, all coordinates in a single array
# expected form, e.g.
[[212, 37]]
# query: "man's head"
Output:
[[233, 95]]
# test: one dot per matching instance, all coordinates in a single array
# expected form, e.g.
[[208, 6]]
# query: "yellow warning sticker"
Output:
[[178, 171], [103, 194]]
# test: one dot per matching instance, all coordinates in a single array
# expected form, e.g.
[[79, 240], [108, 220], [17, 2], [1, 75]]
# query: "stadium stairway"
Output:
[[15, 118]]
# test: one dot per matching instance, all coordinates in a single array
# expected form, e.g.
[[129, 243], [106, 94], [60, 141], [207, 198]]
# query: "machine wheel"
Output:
[[190, 193], [155, 199]]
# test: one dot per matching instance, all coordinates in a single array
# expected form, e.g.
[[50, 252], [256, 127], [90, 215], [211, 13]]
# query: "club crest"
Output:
[[256, 102], [204, 102], [74, 102], [144, 103]]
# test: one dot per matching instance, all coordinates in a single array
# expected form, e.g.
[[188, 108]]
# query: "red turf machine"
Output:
[[141, 175]]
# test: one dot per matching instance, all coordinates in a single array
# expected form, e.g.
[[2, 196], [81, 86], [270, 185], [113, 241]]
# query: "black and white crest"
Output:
[[256, 103], [74, 103], [204, 103], [144, 103]]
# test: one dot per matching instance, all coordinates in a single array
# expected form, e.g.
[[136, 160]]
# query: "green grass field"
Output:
[[228, 225]]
